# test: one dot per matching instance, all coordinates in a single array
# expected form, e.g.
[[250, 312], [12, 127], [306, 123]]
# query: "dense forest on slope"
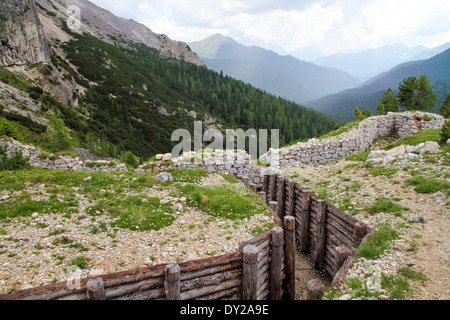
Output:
[[125, 87]]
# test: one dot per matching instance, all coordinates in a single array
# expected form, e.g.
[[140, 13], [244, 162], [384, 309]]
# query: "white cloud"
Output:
[[332, 25]]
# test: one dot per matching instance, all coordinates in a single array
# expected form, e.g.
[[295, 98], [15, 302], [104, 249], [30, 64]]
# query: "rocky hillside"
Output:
[[26, 25], [104, 25], [22, 37]]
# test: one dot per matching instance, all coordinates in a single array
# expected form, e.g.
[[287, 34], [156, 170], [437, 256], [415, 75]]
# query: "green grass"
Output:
[[378, 243], [381, 171], [383, 204], [223, 201], [340, 130], [189, 175], [229, 177], [428, 186], [359, 156], [418, 138]]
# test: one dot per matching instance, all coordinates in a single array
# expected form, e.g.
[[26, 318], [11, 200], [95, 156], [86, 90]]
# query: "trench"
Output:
[[304, 272]]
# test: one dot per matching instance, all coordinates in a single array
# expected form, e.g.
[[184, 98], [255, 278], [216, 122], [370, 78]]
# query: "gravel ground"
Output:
[[31, 257]]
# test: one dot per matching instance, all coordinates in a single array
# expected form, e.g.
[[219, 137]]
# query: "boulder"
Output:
[[164, 177], [166, 157], [430, 146], [400, 150]]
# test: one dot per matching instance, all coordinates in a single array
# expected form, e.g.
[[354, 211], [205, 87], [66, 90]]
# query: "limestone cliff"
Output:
[[106, 26], [22, 38]]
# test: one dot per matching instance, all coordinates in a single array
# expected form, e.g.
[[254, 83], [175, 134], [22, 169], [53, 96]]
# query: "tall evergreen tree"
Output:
[[444, 110], [389, 101], [417, 94]]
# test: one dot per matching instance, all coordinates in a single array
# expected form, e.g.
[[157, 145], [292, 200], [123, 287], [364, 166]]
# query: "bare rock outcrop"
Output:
[[22, 38]]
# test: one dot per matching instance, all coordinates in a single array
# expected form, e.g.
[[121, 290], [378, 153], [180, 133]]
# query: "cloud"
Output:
[[331, 25]]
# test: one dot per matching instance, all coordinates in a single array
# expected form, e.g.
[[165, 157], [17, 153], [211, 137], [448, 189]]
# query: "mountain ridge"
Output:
[[311, 80]]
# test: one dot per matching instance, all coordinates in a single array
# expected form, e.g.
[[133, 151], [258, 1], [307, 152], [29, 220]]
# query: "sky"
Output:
[[284, 25]]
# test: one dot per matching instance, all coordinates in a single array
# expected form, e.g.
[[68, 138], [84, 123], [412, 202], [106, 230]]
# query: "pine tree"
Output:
[[444, 110], [417, 94], [389, 101], [359, 115], [380, 109], [366, 112]]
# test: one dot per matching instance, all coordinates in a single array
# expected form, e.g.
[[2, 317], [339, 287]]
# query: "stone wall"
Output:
[[238, 162], [39, 160], [358, 139]]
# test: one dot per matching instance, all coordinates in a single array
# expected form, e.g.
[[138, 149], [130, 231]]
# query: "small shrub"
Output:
[[9, 130], [130, 159]]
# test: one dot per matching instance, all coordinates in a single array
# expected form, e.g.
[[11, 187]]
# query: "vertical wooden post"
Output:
[[265, 187], [291, 198], [172, 282], [276, 262], [359, 233], [321, 220], [272, 187], [274, 206], [314, 290], [95, 289], [262, 196], [342, 253], [306, 196], [289, 253], [250, 273], [280, 197]]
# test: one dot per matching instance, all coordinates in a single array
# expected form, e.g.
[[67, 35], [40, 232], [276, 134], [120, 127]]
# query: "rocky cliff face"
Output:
[[106, 26], [22, 38]]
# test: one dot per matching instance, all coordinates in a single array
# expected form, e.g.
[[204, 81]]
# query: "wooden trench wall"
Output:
[[263, 268]]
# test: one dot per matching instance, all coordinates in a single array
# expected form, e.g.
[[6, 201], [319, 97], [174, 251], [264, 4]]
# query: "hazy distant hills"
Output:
[[342, 104], [284, 76], [369, 63]]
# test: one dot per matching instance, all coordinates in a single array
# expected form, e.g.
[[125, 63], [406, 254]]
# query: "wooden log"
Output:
[[262, 196], [305, 220], [291, 198], [360, 232], [154, 294], [321, 228], [272, 187], [224, 294], [95, 289], [129, 288], [276, 263], [314, 290], [208, 290], [280, 197], [214, 279], [342, 253], [250, 273], [340, 224], [273, 205], [289, 236], [341, 215], [265, 187], [340, 275], [339, 235], [252, 187], [172, 282]]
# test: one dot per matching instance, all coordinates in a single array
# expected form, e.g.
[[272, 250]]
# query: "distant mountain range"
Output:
[[368, 63], [284, 76], [342, 104]]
